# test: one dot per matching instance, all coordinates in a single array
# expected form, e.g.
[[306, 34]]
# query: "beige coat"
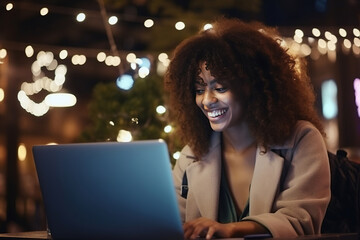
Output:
[[292, 207]]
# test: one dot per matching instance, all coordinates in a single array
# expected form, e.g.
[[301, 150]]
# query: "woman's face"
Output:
[[216, 102]]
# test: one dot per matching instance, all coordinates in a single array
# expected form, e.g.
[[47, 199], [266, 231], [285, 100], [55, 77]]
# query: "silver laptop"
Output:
[[108, 190]]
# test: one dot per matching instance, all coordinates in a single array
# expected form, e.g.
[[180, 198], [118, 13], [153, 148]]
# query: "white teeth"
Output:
[[216, 113]]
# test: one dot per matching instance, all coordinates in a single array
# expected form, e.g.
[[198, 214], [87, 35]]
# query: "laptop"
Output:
[[108, 190]]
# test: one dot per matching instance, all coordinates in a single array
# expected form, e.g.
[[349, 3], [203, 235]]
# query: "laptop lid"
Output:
[[108, 190]]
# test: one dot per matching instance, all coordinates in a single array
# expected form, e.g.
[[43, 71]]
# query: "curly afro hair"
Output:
[[272, 86]]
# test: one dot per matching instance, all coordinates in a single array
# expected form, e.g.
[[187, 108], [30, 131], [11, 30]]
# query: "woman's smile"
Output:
[[216, 101], [216, 114]]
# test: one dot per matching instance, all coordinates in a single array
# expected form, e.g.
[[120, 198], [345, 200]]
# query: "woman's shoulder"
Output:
[[187, 152], [305, 130], [302, 130], [187, 157], [304, 127]]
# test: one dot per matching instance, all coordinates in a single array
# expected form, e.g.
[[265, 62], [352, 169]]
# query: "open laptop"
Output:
[[108, 190]]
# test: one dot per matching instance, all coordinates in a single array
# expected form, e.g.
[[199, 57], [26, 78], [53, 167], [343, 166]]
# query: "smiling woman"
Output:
[[245, 109], [216, 101]]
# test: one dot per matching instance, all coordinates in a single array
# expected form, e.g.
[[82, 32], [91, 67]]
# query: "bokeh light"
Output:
[[160, 109], [148, 23], [44, 11], [329, 99], [2, 94], [125, 82], [9, 6], [80, 17], [124, 136], [101, 56], [22, 152], [63, 54], [29, 51], [3, 53], [60, 100], [207, 26], [179, 25], [113, 20]]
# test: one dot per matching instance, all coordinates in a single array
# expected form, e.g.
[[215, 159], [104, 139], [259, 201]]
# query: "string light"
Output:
[[179, 25], [60, 100], [356, 32], [131, 57], [22, 152], [163, 57], [133, 66], [148, 23], [44, 11], [78, 59], [176, 155], [160, 109], [9, 6], [113, 20], [81, 17], [101, 56], [299, 33], [347, 43], [29, 51], [342, 32], [207, 26], [54, 99], [63, 54], [143, 72], [167, 129], [112, 60], [301, 44], [316, 32], [2, 94], [3, 53], [124, 136]]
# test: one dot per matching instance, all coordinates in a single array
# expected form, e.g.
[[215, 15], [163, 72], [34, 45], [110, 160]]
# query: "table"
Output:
[[40, 235], [36, 235]]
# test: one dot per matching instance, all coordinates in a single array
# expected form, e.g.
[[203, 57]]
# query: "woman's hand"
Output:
[[207, 228], [204, 227]]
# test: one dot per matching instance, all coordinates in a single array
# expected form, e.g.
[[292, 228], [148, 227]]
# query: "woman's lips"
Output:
[[216, 113]]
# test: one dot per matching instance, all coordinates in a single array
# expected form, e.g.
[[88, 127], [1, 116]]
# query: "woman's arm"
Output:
[[301, 203]]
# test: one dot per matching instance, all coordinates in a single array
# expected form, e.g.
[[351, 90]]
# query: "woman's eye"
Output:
[[221, 89], [199, 91]]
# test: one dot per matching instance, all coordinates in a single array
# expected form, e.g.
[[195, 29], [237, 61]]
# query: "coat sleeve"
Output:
[[186, 158], [303, 196]]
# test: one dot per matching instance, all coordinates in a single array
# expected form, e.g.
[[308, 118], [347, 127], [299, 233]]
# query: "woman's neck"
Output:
[[238, 138]]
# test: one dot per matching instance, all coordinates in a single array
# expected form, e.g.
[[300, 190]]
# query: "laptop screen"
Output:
[[108, 190]]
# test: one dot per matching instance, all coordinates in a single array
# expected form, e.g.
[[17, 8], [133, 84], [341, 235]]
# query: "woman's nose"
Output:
[[209, 98]]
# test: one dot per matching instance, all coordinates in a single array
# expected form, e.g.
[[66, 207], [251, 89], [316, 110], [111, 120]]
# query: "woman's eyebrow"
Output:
[[201, 81], [212, 82]]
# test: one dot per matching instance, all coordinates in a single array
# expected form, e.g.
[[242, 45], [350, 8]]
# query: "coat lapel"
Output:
[[207, 174], [266, 177]]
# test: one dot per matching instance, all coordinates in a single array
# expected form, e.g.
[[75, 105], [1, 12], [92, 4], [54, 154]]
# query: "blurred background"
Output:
[[85, 71]]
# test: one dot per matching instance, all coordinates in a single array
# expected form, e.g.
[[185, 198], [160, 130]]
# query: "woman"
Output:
[[255, 160]]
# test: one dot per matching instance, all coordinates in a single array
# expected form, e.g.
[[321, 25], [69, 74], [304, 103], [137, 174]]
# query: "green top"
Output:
[[227, 211]]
